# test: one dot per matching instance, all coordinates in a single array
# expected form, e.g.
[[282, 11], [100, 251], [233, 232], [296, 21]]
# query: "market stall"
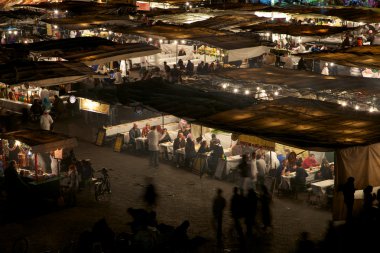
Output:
[[22, 82], [38, 154]]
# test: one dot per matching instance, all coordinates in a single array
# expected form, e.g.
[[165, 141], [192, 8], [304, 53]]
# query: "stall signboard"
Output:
[[100, 137], [118, 143], [49, 30], [93, 106]]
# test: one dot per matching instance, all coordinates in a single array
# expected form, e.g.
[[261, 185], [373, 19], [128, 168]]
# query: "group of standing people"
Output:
[[243, 207]]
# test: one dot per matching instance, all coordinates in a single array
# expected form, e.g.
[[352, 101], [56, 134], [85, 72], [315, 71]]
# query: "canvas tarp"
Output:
[[42, 141], [304, 123], [363, 164], [44, 73], [245, 53]]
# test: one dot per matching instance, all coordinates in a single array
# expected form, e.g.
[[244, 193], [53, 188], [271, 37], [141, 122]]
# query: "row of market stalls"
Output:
[[300, 109], [58, 64], [304, 123]]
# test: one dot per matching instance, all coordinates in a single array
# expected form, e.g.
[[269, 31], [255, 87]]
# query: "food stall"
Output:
[[21, 82], [35, 152]]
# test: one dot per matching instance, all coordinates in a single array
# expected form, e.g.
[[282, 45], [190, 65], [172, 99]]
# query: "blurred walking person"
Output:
[[265, 208], [218, 206], [153, 139], [150, 194], [250, 210], [237, 209]]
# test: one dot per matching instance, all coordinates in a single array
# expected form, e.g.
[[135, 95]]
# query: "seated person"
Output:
[[203, 149], [310, 162], [165, 137], [190, 152], [145, 130], [318, 176], [300, 178], [179, 142], [133, 134], [325, 170], [213, 141]]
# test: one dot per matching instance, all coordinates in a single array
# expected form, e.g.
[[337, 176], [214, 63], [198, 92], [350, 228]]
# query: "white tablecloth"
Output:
[[233, 162], [168, 146], [321, 186], [140, 143], [359, 194]]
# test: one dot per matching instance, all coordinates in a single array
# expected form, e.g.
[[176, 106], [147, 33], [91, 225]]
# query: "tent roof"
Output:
[[43, 73], [296, 30], [366, 56], [303, 80], [309, 124], [42, 141], [365, 15], [173, 32], [225, 21], [91, 50], [231, 42]]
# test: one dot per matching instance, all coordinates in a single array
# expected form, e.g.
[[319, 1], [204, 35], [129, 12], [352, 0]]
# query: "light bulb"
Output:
[[344, 103], [183, 41], [224, 86], [276, 93], [258, 88], [246, 92], [150, 39], [236, 90], [161, 41], [357, 107], [371, 109]]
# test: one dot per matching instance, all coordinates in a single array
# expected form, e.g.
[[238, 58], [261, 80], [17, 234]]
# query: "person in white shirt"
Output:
[[325, 70], [154, 149], [261, 168], [254, 171], [53, 164], [118, 77], [46, 121]]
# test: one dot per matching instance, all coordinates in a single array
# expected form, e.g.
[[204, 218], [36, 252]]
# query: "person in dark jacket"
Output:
[[179, 143], [190, 152], [165, 137]]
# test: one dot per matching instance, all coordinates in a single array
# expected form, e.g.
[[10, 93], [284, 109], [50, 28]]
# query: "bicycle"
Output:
[[102, 185]]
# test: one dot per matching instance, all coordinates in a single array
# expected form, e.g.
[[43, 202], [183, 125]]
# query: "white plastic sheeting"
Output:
[[245, 53]]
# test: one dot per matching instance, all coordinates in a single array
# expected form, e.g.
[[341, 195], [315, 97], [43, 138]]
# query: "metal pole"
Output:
[[36, 165]]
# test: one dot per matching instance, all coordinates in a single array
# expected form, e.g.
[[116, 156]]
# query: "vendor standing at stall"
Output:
[[13, 150], [53, 164]]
